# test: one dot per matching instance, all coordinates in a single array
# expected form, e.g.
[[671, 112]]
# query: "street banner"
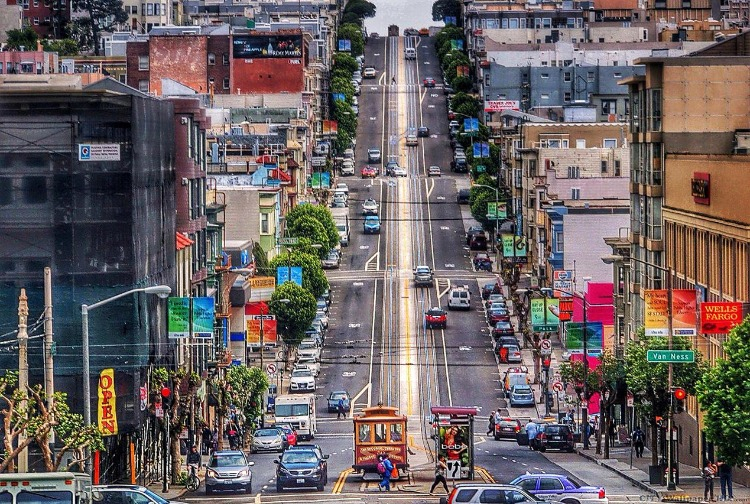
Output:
[[656, 323], [203, 317], [594, 336], [471, 125], [289, 274], [720, 318], [253, 314], [684, 312], [514, 247], [107, 409], [178, 317], [345, 45], [545, 314], [497, 210], [320, 180]]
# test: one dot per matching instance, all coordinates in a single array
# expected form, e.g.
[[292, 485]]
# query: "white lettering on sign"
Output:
[[357, 284], [444, 228], [433, 95], [364, 247], [294, 62], [450, 265]]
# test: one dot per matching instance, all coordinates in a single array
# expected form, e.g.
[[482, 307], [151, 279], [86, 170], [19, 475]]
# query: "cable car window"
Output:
[[364, 433], [380, 433], [397, 432]]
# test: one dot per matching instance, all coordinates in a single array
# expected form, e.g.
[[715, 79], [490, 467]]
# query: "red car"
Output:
[[436, 317], [429, 82], [291, 434], [369, 172], [498, 314]]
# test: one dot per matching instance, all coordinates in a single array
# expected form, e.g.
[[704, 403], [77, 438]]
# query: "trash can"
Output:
[[657, 474]]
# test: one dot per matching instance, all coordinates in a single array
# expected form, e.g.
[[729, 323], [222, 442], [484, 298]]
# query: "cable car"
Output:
[[379, 429]]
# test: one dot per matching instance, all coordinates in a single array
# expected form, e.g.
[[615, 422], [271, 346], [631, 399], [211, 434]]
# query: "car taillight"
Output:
[[601, 493], [451, 496]]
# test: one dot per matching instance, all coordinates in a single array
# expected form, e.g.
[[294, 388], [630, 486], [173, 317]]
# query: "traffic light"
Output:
[[546, 361], [679, 396]]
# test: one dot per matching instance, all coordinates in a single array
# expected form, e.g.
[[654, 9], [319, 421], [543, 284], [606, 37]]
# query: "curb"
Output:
[[640, 484]]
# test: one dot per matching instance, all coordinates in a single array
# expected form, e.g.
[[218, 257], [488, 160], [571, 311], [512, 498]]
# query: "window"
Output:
[[590, 76], [225, 59], [149, 9], [264, 223], [528, 484], [580, 143], [609, 107], [143, 86], [225, 83], [604, 166], [142, 62], [157, 11], [610, 143], [134, 9], [575, 193], [211, 59], [544, 96], [654, 109], [380, 433], [34, 190], [545, 76], [397, 432], [550, 484], [364, 433], [36, 21], [574, 172], [566, 97], [566, 77], [559, 241], [618, 75], [618, 172]]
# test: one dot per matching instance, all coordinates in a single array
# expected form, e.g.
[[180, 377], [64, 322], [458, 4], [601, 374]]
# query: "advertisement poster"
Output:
[[684, 312], [453, 443], [656, 323], [497, 210], [107, 409], [267, 46], [320, 180], [203, 317], [178, 309], [594, 336], [545, 314], [514, 247], [720, 318]]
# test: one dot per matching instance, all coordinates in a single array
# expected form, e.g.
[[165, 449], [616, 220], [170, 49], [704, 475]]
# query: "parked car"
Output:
[[229, 470], [462, 197], [372, 224], [369, 172], [373, 155], [269, 439], [119, 494], [370, 207], [482, 262], [301, 467], [562, 488], [478, 241], [332, 260], [503, 328], [308, 348], [308, 363], [434, 171], [436, 317], [473, 231], [521, 395], [491, 288], [555, 437], [423, 131], [507, 428], [498, 314], [475, 493], [509, 354], [333, 400]]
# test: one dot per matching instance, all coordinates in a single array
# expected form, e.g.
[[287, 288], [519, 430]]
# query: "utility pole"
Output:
[[23, 370], [49, 347]]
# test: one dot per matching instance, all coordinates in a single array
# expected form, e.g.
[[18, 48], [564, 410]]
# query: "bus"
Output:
[[39, 488], [378, 430]]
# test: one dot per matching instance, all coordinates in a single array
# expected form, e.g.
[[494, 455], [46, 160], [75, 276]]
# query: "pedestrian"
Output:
[[440, 469], [393, 79], [215, 439], [194, 458], [340, 408], [206, 438], [637, 437], [385, 482], [232, 435], [725, 478], [612, 434], [491, 425], [531, 431], [709, 472]]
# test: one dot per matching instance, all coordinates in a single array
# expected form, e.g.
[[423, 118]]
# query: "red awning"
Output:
[[454, 410], [183, 241], [291, 163], [280, 175]]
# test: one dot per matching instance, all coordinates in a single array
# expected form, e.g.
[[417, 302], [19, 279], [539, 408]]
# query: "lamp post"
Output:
[[262, 318], [163, 291], [610, 259], [497, 217]]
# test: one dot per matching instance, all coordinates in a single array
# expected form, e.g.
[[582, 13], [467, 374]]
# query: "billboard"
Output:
[[514, 247], [320, 180], [254, 313], [453, 444], [684, 308], [562, 283], [594, 337], [345, 45], [267, 46], [720, 318], [497, 210], [500, 105], [178, 324], [656, 323], [545, 314]]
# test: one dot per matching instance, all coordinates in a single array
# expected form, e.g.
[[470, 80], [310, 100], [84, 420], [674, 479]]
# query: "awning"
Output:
[[280, 175], [291, 163], [183, 241]]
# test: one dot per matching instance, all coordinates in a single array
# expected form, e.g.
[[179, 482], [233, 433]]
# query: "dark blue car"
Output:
[[301, 467]]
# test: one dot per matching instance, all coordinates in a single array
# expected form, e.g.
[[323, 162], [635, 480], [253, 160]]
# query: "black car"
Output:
[[555, 437], [423, 131], [301, 467], [462, 198], [491, 288], [507, 428]]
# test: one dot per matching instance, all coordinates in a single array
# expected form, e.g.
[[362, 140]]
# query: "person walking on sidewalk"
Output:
[[440, 469], [709, 472], [637, 437], [725, 478]]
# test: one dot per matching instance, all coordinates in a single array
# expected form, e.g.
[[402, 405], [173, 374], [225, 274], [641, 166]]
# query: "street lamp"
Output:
[[497, 217], [611, 259], [163, 291], [262, 318]]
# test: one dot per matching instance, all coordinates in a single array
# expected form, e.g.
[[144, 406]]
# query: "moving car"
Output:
[[411, 140], [482, 262], [229, 470], [369, 73], [562, 488], [373, 155], [436, 317], [118, 494], [302, 380], [372, 224], [390, 166], [397, 171], [434, 171], [333, 400], [459, 297], [289, 432], [370, 207], [269, 439], [369, 172], [423, 131], [474, 493], [347, 167], [521, 395], [332, 260], [423, 275], [555, 437], [429, 82], [507, 428], [301, 467], [473, 231]]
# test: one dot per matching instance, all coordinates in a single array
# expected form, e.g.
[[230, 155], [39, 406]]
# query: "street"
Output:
[[377, 347]]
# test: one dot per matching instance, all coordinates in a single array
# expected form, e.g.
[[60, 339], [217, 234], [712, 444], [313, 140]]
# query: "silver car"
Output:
[[229, 470], [271, 439]]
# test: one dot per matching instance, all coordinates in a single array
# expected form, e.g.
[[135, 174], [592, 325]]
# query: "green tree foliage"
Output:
[[443, 8], [313, 278], [353, 32], [64, 47], [313, 232], [446, 34], [103, 15], [478, 199], [465, 104], [246, 388], [261, 257], [361, 9], [724, 395], [26, 38], [345, 62], [462, 84], [320, 214], [293, 318]]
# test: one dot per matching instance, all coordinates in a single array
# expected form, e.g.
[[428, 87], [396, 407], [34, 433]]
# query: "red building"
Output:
[[264, 62]]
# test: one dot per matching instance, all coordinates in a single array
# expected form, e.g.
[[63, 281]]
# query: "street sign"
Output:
[[288, 240], [263, 317], [630, 400], [546, 344], [454, 469], [557, 386], [318, 161], [670, 356], [271, 368], [159, 411]]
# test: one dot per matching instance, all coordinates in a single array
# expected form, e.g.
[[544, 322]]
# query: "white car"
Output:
[[369, 73], [433, 171], [411, 140], [370, 207], [302, 380], [323, 317], [308, 349], [308, 363], [342, 187], [397, 171]]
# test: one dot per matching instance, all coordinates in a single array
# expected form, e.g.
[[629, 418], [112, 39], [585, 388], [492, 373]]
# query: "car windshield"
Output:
[[423, 269], [333, 256], [299, 457], [266, 432], [522, 389], [435, 312], [301, 373], [227, 461]]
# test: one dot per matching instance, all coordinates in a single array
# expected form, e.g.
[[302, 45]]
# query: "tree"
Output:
[[313, 232], [26, 38], [261, 257], [479, 197], [648, 382], [443, 8], [64, 47], [103, 15], [313, 278], [448, 33], [246, 387], [294, 317], [466, 104], [362, 9], [320, 214], [462, 83], [723, 395], [353, 32], [345, 62]]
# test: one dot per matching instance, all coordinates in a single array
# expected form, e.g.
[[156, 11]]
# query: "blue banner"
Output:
[[345, 45], [471, 125], [289, 273], [449, 20], [203, 317], [339, 97], [482, 150]]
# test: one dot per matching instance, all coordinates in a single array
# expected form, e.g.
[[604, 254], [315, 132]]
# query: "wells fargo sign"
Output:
[[720, 318], [107, 403]]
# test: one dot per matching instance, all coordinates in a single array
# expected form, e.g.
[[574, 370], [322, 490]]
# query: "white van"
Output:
[[410, 53], [349, 154], [459, 298]]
